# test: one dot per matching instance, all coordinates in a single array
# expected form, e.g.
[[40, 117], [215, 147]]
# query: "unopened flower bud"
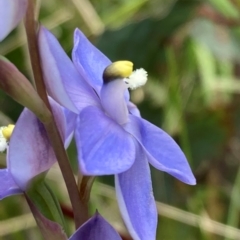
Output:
[[16, 85]]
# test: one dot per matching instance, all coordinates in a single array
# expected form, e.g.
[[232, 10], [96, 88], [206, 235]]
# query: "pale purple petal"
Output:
[[89, 61], [70, 123], [30, 152], [7, 185], [135, 198], [60, 118], [63, 82], [132, 108], [103, 146], [163, 152], [11, 13], [96, 228], [113, 102]]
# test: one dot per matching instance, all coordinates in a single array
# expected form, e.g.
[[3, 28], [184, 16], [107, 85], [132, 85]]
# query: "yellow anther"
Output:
[[122, 68], [116, 70], [7, 131]]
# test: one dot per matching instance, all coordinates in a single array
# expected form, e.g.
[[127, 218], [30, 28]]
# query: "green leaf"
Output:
[[44, 199], [123, 13], [225, 7], [207, 68], [49, 229]]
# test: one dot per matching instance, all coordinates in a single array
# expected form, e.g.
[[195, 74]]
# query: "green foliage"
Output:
[[45, 201]]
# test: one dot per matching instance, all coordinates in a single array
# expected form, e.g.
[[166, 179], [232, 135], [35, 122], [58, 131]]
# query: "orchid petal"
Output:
[[63, 82], [113, 102], [30, 152], [89, 61], [96, 228], [7, 187], [11, 13], [135, 198], [163, 152], [103, 145], [132, 108], [70, 123]]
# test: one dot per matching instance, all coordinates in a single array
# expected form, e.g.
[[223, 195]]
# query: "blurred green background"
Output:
[[191, 50]]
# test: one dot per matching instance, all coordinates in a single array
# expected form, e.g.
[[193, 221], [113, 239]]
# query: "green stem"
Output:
[[79, 210]]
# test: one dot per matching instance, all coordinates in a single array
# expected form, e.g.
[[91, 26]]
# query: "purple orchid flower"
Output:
[[11, 13], [29, 152], [96, 228], [110, 134]]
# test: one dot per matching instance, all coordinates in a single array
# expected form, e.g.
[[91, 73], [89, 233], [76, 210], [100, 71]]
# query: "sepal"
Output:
[[96, 228]]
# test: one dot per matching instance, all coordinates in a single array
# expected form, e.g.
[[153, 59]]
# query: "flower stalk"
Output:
[[85, 184], [79, 210]]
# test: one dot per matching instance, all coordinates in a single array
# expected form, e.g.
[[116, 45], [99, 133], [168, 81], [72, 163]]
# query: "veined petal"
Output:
[[104, 147], [89, 61], [63, 82], [7, 187], [30, 152], [70, 123], [96, 228], [163, 152], [60, 118], [11, 12], [135, 198], [113, 102]]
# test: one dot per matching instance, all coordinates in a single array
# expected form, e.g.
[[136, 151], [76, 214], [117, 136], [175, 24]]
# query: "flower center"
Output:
[[118, 77], [137, 79], [124, 70], [5, 135], [117, 70]]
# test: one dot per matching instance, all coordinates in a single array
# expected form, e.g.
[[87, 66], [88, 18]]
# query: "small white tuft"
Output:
[[3, 141], [137, 79]]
